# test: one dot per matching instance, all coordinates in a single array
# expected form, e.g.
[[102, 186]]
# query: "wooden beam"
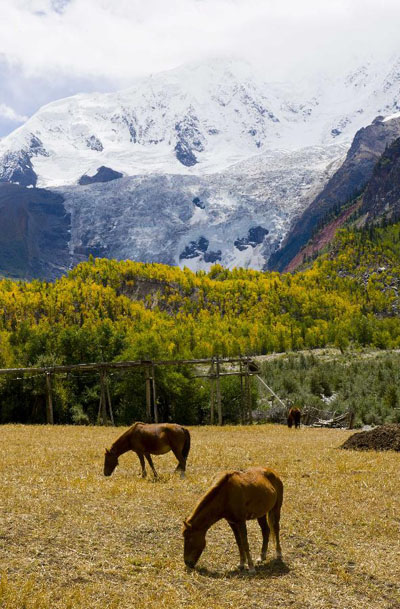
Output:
[[112, 366]]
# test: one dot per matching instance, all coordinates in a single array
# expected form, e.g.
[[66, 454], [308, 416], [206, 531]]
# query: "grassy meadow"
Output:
[[71, 538]]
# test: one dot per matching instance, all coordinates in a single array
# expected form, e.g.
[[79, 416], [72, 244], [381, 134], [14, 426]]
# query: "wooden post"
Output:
[[49, 401], [242, 410], [248, 391], [351, 419], [148, 395], [212, 396], [218, 391], [109, 402], [103, 399], [153, 382]]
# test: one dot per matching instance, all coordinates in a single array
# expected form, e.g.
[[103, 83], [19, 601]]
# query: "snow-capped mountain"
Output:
[[196, 119], [208, 162]]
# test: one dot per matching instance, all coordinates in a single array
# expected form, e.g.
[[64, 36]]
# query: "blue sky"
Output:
[[55, 48]]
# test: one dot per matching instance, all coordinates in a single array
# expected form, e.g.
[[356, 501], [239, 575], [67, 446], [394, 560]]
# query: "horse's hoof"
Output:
[[240, 567], [260, 561], [252, 570]]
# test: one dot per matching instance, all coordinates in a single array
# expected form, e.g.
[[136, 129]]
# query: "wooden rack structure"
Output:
[[208, 368]]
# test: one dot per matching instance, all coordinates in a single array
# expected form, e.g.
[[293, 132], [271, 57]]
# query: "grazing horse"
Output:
[[237, 496], [150, 439], [294, 416]]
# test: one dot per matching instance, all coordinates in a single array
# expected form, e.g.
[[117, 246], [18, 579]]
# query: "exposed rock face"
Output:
[[34, 233], [382, 195], [103, 174], [17, 169], [16, 166], [189, 140], [254, 237], [94, 143], [350, 179], [195, 248]]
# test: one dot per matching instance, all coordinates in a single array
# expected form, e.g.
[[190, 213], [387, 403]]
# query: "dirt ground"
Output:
[[72, 539], [384, 437]]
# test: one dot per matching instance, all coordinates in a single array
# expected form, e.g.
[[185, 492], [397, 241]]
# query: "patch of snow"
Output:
[[391, 117]]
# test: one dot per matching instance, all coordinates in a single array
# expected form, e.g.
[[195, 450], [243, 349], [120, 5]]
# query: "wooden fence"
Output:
[[213, 368]]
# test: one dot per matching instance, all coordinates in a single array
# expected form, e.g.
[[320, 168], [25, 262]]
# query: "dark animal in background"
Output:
[[237, 496], [294, 416], [150, 439]]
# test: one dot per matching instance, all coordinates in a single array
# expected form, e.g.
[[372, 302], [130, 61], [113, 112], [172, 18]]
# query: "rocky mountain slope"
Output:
[[381, 199], [377, 206], [347, 182], [34, 233]]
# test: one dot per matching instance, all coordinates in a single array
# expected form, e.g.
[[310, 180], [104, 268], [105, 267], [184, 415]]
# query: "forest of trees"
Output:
[[366, 383], [105, 310]]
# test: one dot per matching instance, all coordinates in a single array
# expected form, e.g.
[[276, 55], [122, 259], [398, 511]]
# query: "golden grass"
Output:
[[71, 538]]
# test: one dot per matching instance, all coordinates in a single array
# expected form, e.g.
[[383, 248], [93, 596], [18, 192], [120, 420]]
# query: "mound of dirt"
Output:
[[385, 437]]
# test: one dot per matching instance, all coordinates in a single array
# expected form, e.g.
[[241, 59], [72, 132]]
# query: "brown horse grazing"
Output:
[[237, 496], [294, 416], [150, 439]]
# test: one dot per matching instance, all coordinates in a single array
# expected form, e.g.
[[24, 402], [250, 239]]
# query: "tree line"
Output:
[[105, 310]]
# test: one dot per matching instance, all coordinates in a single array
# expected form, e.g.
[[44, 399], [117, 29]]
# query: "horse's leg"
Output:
[[181, 467], [142, 464], [245, 544], [236, 533], [150, 462], [265, 535], [273, 521]]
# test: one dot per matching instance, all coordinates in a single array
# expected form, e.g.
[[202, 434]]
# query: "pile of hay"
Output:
[[385, 437]]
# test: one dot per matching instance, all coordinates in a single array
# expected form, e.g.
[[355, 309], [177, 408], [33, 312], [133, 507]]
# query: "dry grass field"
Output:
[[71, 538]]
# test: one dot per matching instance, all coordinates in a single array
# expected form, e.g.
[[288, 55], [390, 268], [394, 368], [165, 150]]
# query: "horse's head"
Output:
[[110, 462], [194, 542]]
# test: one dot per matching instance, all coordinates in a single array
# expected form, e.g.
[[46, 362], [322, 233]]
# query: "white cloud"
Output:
[[121, 39], [9, 114], [55, 48]]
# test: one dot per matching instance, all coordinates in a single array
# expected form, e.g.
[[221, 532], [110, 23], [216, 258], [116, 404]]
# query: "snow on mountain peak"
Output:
[[196, 119]]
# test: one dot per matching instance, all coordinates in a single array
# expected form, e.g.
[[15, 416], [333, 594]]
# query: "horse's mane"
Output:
[[210, 494], [126, 433]]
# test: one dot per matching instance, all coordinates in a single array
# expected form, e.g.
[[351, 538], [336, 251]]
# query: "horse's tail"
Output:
[[186, 444], [273, 516]]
